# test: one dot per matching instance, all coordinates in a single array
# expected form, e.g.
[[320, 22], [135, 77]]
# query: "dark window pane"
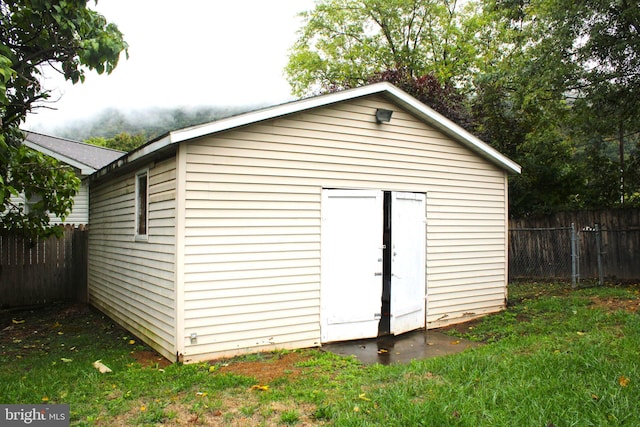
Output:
[[142, 204]]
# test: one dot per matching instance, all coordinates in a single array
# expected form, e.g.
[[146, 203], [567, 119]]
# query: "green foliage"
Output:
[[633, 175], [64, 34], [345, 42], [442, 97], [70, 38], [47, 186], [565, 74], [123, 141], [290, 417]]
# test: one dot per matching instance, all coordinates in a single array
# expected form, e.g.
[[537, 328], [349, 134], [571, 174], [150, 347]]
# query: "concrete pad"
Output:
[[416, 345]]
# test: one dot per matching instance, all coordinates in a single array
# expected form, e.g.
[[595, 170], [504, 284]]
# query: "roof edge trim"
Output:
[[84, 168], [423, 111], [452, 129]]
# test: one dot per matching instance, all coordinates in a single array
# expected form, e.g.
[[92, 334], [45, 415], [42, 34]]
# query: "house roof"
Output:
[[85, 157], [391, 92]]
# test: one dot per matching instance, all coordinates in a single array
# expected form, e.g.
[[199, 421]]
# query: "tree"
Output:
[[527, 123], [48, 188], [587, 54], [563, 91], [122, 141], [633, 174], [66, 36], [442, 97], [345, 42], [602, 188]]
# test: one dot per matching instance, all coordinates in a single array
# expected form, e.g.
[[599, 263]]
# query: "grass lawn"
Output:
[[555, 357]]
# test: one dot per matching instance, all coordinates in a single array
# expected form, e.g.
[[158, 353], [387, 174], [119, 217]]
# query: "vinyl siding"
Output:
[[253, 222], [133, 281], [79, 214]]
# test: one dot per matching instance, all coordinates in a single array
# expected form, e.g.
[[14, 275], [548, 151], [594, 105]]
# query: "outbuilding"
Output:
[[345, 216]]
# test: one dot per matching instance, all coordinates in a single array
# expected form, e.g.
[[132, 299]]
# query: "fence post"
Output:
[[574, 256], [599, 254]]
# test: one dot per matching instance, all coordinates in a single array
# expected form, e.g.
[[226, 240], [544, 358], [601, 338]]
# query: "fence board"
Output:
[[34, 272], [546, 254], [539, 253]]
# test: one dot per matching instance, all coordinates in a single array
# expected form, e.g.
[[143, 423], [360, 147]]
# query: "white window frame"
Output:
[[145, 234]]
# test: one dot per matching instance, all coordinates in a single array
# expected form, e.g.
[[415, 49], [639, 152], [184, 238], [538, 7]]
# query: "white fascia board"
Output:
[[84, 169], [273, 112], [150, 148], [221, 125], [450, 128]]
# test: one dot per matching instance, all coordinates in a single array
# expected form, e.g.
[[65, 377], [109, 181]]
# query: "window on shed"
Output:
[[142, 205]]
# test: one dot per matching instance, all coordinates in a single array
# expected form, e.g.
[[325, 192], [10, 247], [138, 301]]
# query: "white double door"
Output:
[[352, 263]]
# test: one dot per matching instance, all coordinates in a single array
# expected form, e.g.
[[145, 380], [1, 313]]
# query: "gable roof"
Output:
[[391, 92], [85, 157]]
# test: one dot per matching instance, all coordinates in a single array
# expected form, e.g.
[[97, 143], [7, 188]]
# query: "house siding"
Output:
[[79, 214], [252, 222], [133, 281], [80, 211]]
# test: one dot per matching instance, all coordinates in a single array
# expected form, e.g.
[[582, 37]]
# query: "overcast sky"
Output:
[[187, 53]]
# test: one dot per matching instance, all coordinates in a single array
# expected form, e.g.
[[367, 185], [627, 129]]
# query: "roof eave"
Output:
[[455, 131], [274, 112], [410, 103], [82, 167]]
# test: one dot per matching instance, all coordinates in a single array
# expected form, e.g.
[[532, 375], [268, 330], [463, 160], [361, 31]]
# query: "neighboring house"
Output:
[[300, 224], [85, 159]]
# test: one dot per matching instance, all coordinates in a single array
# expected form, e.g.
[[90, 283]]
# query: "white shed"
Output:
[[300, 224]]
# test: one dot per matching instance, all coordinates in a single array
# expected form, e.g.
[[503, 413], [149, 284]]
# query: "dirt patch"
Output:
[[150, 359], [268, 368], [36, 329], [233, 412], [612, 304], [24, 323]]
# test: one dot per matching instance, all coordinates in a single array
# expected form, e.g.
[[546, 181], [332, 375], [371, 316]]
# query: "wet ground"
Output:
[[403, 348]]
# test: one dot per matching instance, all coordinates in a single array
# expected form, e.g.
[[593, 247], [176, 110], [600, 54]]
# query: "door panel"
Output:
[[351, 264], [408, 237]]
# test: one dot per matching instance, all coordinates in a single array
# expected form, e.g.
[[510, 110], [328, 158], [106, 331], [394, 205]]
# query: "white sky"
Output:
[[187, 53]]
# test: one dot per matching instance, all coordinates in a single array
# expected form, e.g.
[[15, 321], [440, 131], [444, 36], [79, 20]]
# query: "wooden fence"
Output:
[[606, 246], [40, 271]]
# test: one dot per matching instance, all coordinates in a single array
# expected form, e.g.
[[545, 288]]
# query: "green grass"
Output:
[[555, 357]]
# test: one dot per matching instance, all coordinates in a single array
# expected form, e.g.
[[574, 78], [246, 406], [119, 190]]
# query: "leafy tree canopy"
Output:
[[345, 42], [445, 98], [574, 67], [122, 141], [63, 35]]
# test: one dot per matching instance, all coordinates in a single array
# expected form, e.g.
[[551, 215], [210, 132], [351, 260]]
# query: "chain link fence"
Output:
[[540, 253], [584, 255]]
